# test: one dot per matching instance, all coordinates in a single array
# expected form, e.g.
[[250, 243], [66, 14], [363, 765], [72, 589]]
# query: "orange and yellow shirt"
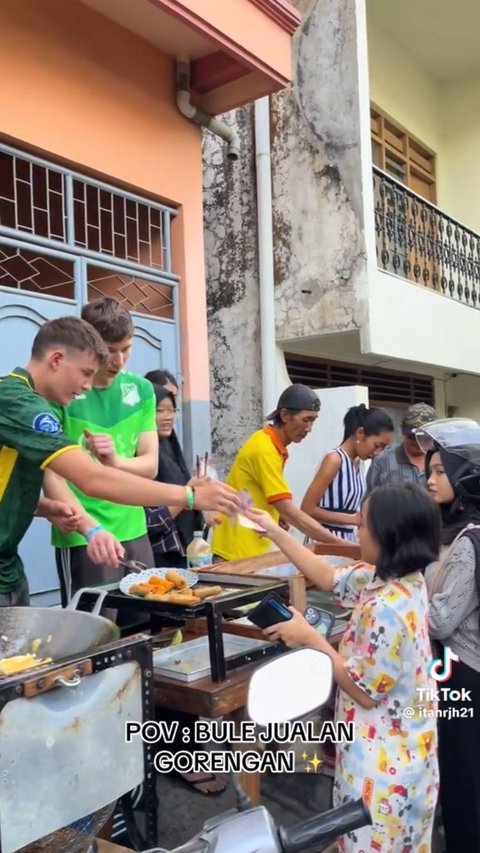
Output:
[[257, 469]]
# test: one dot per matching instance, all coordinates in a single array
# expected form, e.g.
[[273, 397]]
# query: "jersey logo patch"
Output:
[[46, 422], [130, 394]]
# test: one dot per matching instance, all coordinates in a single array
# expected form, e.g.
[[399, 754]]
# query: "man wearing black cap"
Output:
[[258, 470], [406, 462]]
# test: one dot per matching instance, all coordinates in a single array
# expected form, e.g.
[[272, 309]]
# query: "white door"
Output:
[[327, 433], [65, 239], [37, 285], [21, 315]]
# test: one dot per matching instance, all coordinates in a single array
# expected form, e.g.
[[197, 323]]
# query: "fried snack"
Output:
[[207, 591], [176, 579], [18, 663], [140, 589], [177, 598], [160, 585], [155, 580], [174, 598], [155, 595]]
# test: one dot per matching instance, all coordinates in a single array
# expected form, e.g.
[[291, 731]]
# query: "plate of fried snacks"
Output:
[[170, 586]]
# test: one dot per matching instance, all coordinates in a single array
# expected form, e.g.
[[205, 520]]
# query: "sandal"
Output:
[[204, 783]]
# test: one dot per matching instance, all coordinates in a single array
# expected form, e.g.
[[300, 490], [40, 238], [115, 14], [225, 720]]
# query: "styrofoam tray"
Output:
[[191, 661], [190, 578], [289, 570], [286, 570]]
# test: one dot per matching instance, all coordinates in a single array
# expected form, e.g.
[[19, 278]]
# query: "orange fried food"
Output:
[[173, 598], [139, 589], [161, 585], [207, 591], [176, 579], [186, 600], [155, 595], [172, 589], [17, 663]]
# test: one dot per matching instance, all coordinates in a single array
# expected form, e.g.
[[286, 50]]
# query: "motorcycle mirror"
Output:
[[289, 686]]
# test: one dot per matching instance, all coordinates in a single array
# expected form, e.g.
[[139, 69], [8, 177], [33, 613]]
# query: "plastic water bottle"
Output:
[[199, 553]]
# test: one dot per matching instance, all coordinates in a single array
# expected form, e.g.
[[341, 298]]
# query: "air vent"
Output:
[[390, 387]]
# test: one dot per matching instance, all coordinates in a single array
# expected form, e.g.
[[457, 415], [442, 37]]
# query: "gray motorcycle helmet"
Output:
[[459, 437]]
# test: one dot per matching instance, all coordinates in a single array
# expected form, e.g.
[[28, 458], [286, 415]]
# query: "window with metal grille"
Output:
[[50, 216], [51, 204], [386, 387]]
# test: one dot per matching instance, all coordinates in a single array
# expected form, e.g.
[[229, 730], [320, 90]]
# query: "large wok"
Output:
[[62, 632]]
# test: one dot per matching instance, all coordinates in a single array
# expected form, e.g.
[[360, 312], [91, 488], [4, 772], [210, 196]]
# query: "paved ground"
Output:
[[289, 798]]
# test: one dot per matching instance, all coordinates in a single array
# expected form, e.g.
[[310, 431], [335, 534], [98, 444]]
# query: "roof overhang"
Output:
[[239, 50]]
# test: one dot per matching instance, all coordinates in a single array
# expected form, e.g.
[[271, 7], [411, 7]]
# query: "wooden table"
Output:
[[109, 847], [297, 584], [206, 698], [211, 699], [254, 565], [350, 550]]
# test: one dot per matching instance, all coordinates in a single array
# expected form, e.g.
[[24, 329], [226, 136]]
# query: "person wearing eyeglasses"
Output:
[[169, 529]]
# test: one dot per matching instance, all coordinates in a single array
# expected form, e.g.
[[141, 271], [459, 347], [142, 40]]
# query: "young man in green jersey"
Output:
[[66, 354], [115, 421]]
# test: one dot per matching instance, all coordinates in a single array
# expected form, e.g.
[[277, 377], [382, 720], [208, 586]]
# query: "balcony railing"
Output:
[[421, 243]]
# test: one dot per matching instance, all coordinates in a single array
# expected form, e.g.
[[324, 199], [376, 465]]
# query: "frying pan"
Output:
[[62, 632]]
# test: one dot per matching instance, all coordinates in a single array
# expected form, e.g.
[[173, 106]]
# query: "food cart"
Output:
[[56, 722]]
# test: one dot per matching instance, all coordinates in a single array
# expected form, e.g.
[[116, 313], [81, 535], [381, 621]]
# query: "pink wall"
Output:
[[84, 90], [243, 23]]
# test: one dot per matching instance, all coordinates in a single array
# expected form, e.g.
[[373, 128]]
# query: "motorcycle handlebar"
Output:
[[325, 827]]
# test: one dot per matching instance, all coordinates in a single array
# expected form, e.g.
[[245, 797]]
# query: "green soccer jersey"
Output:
[[31, 436], [125, 409]]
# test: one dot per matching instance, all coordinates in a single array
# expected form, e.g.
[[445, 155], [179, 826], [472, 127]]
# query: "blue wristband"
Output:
[[88, 535]]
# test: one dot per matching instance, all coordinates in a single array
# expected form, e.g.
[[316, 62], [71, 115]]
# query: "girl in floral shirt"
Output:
[[381, 667]]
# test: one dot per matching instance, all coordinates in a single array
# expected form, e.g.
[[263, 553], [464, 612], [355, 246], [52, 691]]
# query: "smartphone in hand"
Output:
[[270, 611]]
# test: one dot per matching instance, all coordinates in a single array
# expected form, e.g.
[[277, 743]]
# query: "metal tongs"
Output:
[[132, 565]]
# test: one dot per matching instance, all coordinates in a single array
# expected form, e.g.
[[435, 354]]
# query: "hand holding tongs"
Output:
[[132, 565]]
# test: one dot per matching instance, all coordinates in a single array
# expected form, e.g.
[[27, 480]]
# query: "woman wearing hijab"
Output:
[[170, 529], [453, 474]]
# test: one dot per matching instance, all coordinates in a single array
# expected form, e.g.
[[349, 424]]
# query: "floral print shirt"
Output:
[[392, 762]]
